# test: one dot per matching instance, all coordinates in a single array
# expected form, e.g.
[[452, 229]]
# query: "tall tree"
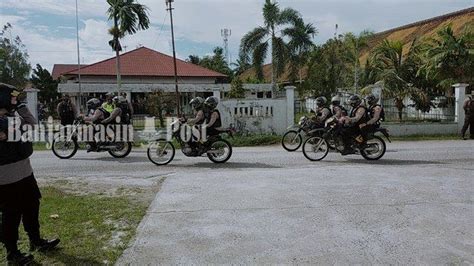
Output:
[[216, 62], [128, 17], [255, 44], [42, 80], [396, 71], [354, 45], [194, 59], [301, 43], [326, 70], [14, 66], [450, 57]]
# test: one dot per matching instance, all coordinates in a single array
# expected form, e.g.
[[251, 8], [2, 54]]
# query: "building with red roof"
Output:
[[143, 70]]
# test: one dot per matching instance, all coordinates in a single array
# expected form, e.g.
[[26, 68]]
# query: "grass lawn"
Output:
[[93, 229]]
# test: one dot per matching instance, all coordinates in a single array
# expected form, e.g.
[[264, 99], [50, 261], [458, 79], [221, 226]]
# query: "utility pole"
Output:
[[226, 33], [78, 60], [178, 98]]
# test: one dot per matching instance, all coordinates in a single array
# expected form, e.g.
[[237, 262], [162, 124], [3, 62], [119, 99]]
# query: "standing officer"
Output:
[[19, 192]]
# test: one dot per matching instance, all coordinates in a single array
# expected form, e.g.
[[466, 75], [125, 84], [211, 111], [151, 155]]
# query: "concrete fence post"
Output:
[[460, 94], [290, 105], [32, 101]]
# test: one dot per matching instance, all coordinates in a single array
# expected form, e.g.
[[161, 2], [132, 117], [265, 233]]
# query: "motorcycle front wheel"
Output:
[[64, 149], [220, 151], [161, 152], [374, 149], [291, 141], [122, 150], [315, 148]]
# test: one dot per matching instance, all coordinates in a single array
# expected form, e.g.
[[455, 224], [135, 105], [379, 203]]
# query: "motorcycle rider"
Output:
[[99, 113], [116, 114], [197, 106], [212, 116], [358, 116], [322, 112], [337, 109], [108, 105], [97, 117], [375, 114]]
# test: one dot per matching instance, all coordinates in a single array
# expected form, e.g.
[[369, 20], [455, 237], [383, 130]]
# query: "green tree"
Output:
[[450, 58], [326, 70], [240, 66], [42, 80], [301, 43], [160, 102], [128, 17], [237, 90], [194, 59], [396, 71], [216, 62], [14, 66], [255, 44], [354, 45]]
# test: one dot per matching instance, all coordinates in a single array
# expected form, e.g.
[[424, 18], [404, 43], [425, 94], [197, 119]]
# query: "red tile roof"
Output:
[[59, 69], [146, 62]]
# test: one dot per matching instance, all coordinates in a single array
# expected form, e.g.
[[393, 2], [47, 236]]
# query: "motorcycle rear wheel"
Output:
[[315, 149], [224, 149], [377, 142], [126, 148]]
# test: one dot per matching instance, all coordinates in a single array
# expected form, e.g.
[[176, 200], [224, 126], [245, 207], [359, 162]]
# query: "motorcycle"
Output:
[[292, 139], [65, 147], [217, 149], [322, 140]]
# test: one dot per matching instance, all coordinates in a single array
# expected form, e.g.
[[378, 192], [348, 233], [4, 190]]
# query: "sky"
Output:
[[48, 27]]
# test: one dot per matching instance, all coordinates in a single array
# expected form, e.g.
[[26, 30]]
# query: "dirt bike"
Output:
[[293, 138], [217, 149], [328, 138], [65, 147]]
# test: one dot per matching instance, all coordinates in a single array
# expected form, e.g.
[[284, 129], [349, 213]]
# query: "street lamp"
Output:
[[178, 98]]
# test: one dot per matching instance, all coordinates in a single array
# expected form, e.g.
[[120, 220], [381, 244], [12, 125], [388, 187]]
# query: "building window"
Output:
[[269, 94], [260, 94]]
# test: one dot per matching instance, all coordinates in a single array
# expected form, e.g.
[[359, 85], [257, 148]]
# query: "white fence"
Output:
[[259, 115]]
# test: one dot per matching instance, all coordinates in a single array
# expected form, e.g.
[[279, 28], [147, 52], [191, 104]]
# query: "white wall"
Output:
[[255, 116], [397, 130]]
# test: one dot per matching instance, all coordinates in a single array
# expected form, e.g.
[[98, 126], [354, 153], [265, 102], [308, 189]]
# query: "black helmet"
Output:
[[211, 102], [371, 99], [93, 103], [6, 94], [196, 103], [354, 100], [321, 101], [336, 100]]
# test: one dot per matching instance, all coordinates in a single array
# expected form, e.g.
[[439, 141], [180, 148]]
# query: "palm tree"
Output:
[[255, 44], [450, 58], [354, 45], [395, 71], [128, 17], [301, 43]]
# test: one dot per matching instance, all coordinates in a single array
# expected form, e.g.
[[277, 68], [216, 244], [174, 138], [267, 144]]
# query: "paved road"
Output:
[[269, 206]]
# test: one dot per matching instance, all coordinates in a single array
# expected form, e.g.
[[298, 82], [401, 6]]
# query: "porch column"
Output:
[[460, 94]]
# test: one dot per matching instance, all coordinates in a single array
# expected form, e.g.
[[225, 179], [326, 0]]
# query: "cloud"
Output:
[[47, 25]]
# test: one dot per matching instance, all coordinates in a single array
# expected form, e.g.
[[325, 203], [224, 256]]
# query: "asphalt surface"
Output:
[[267, 206]]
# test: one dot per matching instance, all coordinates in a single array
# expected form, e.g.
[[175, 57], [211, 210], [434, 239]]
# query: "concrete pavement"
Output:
[[269, 206]]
